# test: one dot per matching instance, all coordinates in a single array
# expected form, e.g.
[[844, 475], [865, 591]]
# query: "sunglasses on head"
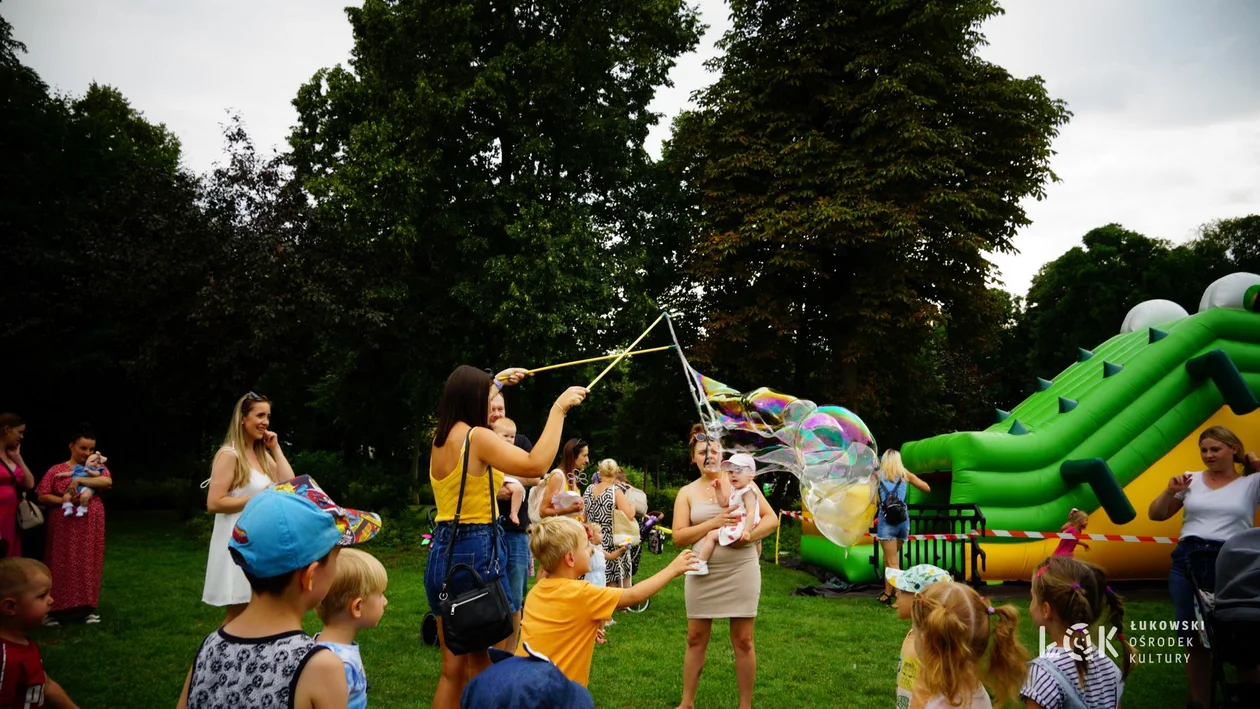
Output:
[[255, 397], [704, 438]]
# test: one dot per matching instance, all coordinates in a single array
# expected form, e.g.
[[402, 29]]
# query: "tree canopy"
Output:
[[853, 165]]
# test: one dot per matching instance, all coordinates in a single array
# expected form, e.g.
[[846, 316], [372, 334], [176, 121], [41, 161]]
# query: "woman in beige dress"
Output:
[[732, 587]]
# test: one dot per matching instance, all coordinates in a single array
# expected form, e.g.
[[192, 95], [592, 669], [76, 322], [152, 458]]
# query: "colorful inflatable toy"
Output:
[[1105, 435]]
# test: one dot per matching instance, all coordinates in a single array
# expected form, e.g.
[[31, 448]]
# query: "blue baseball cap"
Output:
[[292, 525], [529, 682]]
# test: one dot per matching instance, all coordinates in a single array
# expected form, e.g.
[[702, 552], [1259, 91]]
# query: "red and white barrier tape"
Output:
[[1010, 534], [1090, 537]]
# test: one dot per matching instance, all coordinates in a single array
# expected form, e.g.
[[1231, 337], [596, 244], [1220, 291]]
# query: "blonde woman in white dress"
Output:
[[249, 461]]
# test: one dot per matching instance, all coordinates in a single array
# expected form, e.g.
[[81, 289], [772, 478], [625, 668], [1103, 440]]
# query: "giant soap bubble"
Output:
[[828, 448]]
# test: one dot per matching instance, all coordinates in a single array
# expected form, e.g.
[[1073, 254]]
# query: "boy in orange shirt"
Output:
[[562, 614]]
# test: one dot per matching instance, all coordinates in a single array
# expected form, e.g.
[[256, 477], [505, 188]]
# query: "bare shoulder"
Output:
[[323, 678]]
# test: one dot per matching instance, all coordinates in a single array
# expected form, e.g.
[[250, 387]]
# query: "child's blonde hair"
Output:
[[892, 467], [953, 629], [358, 575], [503, 422], [553, 537], [1078, 593], [17, 573], [597, 532], [1076, 518]]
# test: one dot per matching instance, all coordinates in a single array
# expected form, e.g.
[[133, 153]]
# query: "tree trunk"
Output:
[[416, 441]]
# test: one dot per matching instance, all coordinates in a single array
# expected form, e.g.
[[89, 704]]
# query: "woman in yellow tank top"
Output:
[[463, 419]]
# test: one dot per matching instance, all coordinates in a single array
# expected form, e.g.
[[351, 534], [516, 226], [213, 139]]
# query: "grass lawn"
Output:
[[812, 652]]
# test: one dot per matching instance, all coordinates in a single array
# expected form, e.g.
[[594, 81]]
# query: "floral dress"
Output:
[[75, 550]]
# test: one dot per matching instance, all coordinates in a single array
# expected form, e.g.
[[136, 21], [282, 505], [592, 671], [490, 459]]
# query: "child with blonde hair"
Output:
[[598, 575], [953, 627], [506, 428], [910, 689], [25, 598], [287, 541], [563, 615], [1076, 523], [1068, 598], [355, 601]]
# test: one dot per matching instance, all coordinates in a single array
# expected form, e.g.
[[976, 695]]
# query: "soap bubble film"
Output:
[[828, 448]]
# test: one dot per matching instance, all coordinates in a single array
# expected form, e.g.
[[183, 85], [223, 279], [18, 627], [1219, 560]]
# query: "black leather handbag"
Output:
[[481, 616]]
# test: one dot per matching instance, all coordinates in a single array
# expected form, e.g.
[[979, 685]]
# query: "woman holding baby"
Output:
[[75, 550], [732, 586]]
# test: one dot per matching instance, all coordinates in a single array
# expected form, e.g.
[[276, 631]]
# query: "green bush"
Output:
[[200, 526], [637, 478], [789, 540], [663, 500], [364, 485], [146, 494]]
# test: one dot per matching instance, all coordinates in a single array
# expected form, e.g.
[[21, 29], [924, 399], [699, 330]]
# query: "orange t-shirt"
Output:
[[561, 619]]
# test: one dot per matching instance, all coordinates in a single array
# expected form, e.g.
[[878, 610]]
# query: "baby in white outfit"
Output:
[[745, 508]]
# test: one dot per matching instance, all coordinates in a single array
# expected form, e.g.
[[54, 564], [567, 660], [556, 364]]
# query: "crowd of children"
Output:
[[961, 649], [960, 652]]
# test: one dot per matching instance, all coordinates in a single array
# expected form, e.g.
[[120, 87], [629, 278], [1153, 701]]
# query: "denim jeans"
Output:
[[472, 547], [517, 567], [1184, 563]]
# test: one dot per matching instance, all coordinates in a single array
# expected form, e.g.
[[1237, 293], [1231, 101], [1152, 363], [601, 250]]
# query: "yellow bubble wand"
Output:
[[588, 360], [623, 354]]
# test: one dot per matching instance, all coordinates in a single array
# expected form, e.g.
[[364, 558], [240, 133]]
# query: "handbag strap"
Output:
[[459, 507]]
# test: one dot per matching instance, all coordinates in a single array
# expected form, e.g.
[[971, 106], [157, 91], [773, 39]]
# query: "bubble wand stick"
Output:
[[592, 359], [623, 354]]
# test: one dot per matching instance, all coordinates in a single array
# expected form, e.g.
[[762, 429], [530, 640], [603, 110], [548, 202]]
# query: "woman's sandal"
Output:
[[886, 599]]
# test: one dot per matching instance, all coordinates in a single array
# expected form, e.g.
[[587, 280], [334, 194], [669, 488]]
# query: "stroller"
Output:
[[1231, 619], [428, 626]]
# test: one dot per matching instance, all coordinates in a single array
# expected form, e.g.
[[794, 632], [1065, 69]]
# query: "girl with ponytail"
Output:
[[955, 628], [1069, 598]]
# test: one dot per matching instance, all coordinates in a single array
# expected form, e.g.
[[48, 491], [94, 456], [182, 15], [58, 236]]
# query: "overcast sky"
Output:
[[1165, 93]]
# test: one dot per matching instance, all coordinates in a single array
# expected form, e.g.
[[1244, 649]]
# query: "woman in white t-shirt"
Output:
[[1220, 501]]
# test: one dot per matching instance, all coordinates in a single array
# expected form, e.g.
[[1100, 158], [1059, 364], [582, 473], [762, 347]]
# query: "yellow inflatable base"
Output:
[[1126, 560]]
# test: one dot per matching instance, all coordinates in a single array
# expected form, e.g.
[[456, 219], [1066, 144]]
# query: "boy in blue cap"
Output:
[[531, 681], [286, 541]]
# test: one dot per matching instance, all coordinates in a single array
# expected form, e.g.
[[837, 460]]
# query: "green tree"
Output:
[[1238, 238], [483, 161], [853, 164], [1081, 298]]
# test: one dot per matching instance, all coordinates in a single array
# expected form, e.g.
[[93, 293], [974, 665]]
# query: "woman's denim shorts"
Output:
[[886, 532], [473, 548], [1186, 561]]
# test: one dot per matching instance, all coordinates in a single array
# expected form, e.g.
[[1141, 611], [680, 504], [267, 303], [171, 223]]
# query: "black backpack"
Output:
[[892, 507]]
